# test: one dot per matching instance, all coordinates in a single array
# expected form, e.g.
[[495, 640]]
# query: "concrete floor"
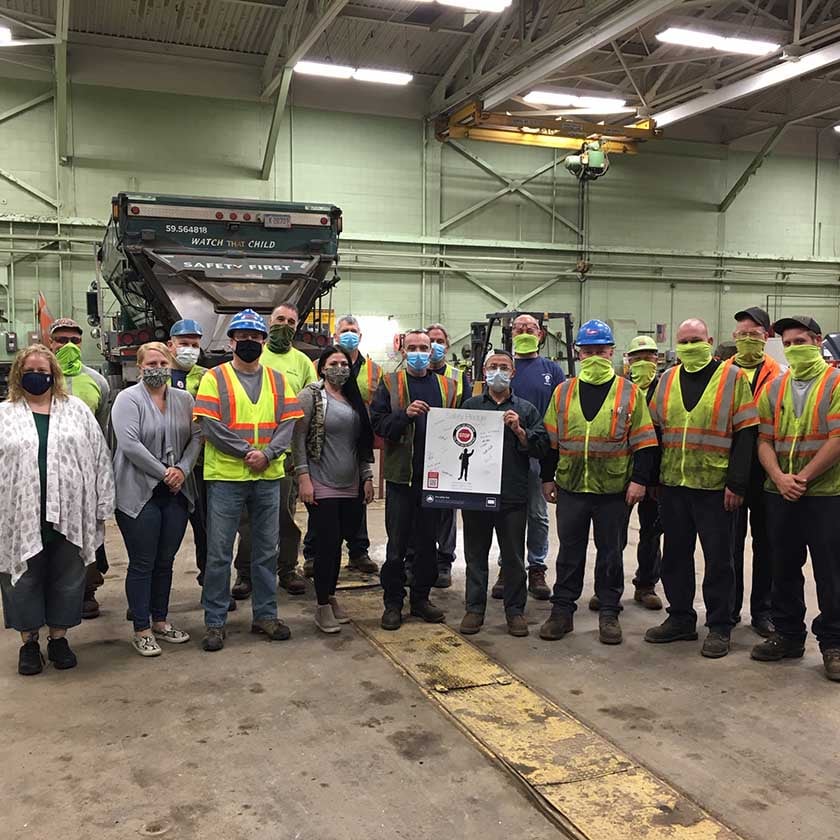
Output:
[[322, 738]]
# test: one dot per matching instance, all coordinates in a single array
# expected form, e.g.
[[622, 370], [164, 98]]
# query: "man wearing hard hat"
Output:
[[603, 459]]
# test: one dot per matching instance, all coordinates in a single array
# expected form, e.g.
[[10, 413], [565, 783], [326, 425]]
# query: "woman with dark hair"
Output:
[[333, 454]]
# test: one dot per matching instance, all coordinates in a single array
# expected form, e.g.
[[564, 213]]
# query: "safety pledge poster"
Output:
[[463, 463]]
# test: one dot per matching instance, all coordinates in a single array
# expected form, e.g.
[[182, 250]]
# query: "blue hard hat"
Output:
[[247, 319], [186, 326], [594, 332]]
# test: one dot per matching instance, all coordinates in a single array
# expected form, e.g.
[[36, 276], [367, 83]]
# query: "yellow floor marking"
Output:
[[584, 783]]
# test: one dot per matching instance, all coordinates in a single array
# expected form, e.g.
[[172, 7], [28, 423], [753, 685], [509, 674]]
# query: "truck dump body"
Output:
[[172, 257]]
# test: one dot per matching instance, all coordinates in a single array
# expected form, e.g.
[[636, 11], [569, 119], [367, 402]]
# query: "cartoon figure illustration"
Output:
[[465, 463]]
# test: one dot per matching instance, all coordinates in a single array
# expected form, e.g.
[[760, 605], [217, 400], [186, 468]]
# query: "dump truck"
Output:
[[167, 257]]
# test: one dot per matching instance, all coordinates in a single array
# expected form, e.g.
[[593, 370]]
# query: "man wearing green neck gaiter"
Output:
[[92, 389], [750, 336], [298, 371], [602, 459], [799, 447], [707, 421]]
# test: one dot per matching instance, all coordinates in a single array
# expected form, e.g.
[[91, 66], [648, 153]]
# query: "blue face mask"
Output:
[[417, 359], [349, 340], [438, 352]]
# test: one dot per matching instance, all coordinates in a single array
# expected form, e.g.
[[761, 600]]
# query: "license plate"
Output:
[[277, 220]]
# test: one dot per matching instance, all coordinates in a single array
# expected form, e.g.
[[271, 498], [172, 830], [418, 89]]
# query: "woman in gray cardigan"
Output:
[[157, 447]]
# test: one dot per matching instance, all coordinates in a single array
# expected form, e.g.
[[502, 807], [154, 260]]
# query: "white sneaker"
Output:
[[146, 646], [171, 635]]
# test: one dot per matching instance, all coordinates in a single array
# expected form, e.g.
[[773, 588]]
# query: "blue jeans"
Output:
[[152, 540], [225, 502]]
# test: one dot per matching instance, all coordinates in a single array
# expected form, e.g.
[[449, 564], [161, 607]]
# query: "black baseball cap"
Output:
[[757, 314], [806, 322]]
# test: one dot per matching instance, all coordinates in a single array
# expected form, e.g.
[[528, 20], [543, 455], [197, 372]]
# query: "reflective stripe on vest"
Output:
[[458, 376], [368, 379]]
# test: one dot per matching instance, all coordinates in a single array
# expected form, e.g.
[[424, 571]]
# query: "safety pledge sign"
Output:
[[463, 459]]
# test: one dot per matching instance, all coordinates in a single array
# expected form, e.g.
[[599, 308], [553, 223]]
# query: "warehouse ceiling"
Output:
[[588, 48]]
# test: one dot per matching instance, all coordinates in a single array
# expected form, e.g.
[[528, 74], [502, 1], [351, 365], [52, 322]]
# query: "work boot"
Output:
[[30, 659], [609, 630], [537, 585], [444, 578], [232, 605], [309, 567], [325, 620], [471, 623], [59, 653], [595, 603], [557, 625], [275, 629], [763, 626], [498, 590], [517, 626], [831, 661], [671, 631], [391, 619], [339, 612], [241, 588], [715, 645], [363, 564], [647, 597], [292, 582], [777, 647], [426, 610], [90, 606], [214, 639]]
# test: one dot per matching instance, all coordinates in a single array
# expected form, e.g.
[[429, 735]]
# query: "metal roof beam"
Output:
[[62, 28], [276, 120], [18, 182], [26, 106], [754, 166]]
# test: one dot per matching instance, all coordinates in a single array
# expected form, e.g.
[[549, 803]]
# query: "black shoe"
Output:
[[776, 648], [764, 626], [427, 611], [232, 606], [90, 607], [30, 659], [309, 567], [241, 589], [557, 626], [391, 619], [214, 639], [498, 590], [671, 631], [59, 653], [595, 603], [292, 582], [715, 645], [362, 564], [609, 630], [444, 578], [129, 614]]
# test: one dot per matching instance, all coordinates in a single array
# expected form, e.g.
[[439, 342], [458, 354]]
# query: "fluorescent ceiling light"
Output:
[[385, 77], [331, 71], [478, 5], [593, 104], [5, 35], [710, 41], [580, 112]]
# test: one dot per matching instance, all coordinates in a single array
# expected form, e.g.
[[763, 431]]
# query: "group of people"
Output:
[[232, 448]]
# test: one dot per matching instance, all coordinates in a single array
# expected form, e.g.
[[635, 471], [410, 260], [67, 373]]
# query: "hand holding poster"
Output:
[[463, 459]]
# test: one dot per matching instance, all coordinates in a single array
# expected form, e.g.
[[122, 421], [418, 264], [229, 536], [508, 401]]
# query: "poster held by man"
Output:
[[463, 459]]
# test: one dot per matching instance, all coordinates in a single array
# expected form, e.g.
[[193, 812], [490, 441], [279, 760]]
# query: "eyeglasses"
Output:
[[63, 339], [749, 334]]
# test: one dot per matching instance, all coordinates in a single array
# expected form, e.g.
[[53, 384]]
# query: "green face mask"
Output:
[[525, 344], [70, 358], [642, 373], [750, 352], [280, 338], [806, 361], [696, 356], [596, 370]]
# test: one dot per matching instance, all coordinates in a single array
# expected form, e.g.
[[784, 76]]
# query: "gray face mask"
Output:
[[155, 377], [498, 380], [337, 376]]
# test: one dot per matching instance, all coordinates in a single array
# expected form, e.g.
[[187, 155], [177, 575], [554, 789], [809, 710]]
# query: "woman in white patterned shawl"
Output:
[[59, 490]]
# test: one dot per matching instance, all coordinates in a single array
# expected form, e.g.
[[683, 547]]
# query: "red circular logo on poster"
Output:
[[464, 435]]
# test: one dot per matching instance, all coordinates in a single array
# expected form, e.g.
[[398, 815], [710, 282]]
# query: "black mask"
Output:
[[36, 383], [248, 350]]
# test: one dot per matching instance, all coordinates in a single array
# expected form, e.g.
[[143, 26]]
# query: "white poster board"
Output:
[[463, 459]]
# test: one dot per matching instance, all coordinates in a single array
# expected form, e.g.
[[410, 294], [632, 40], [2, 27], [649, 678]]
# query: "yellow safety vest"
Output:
[[696, 444], [368, 379], [797, 439], [222, 397], [595, 456], [456, 374]]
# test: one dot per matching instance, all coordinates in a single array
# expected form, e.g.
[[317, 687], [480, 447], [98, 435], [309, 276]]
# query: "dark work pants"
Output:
[[445, 540], [358, 544], [509, 524], [404, 515], [198, 521], [607, 514], [812, 524], [331, 521], [648, 552], [762, 569], [687, 514]]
